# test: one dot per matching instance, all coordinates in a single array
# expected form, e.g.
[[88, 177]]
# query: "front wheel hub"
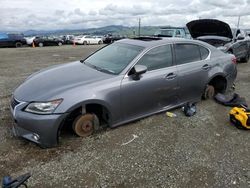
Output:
[[85, 125]]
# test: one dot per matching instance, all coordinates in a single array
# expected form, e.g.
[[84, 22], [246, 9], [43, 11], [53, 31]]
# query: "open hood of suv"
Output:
[[209, 27]]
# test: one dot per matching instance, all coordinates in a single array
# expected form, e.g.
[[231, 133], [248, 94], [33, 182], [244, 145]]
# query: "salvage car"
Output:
[[47, 41], [122, 82], [219, 34], [87, 39], [12, 40]]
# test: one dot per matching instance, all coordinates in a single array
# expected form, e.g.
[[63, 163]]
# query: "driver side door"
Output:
[[155, 90]]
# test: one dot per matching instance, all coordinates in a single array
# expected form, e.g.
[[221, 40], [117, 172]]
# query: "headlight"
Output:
[[43, 107]]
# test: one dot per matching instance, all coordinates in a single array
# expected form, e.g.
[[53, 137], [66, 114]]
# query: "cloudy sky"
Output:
[[19, 15]]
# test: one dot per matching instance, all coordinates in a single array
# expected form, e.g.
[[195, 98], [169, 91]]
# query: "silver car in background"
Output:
[[120, 83], [220, 35]]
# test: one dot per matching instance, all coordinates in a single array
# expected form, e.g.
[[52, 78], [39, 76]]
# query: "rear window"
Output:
[[204, 52], [16, 36], [186, 53], [166, 32], [3, 36]]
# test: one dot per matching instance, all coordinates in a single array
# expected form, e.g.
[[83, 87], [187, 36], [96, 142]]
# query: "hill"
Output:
[[114, 29]]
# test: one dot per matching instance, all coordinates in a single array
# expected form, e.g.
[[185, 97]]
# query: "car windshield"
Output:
[[113, 58], [166, 32]]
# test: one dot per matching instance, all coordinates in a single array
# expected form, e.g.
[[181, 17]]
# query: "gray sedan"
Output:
[[122, 82]]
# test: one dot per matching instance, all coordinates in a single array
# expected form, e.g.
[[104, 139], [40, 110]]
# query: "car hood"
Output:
[[216, 41], [50, 82], [208, 27]]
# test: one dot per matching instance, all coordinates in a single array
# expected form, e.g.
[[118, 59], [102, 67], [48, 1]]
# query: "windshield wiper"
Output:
[[105, 70], [99, 68]]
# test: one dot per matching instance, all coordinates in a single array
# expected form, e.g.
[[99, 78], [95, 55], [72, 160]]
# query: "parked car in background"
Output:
[[47, 41], [98, 37], [181, 32], [248, 33], [87, 39], [68, 39], [29, 40], [12, 40], [219, 34], [124, 81], [110, 38]]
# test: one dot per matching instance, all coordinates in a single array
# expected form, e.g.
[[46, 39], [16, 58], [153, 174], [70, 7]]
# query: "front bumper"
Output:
[[41, 129]]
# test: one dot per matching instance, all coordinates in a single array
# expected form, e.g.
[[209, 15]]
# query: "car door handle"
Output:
[[206, 67], [171, 76]]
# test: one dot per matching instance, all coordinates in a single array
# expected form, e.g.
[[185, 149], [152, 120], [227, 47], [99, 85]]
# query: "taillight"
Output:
[[234, 61]]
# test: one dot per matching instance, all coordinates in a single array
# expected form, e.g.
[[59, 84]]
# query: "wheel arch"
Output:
[[18, 41], [91, 106], [99, 107], [219, 81]]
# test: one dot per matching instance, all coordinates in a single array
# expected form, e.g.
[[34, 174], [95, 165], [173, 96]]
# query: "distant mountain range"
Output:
[[114, 29]]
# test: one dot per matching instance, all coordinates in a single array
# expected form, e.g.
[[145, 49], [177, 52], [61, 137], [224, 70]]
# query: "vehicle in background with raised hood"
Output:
[[122, 82], [220, 35]]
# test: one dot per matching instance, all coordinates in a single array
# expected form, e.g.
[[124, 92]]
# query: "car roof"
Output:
[[154, 41]]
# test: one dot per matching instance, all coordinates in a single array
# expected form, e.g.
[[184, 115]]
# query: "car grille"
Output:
[[14, 102]]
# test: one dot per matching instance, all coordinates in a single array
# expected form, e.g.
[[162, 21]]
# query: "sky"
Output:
[[21, 15]]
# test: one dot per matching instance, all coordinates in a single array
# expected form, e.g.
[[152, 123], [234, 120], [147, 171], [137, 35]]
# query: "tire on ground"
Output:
[[18, 44], [40, 44]]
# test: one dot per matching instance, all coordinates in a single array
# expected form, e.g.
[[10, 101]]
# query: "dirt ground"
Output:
[[201, 151]]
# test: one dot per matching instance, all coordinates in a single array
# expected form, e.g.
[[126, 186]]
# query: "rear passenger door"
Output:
[[192, 66]]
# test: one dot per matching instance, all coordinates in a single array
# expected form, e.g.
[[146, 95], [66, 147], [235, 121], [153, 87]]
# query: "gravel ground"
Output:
[[201, 151]]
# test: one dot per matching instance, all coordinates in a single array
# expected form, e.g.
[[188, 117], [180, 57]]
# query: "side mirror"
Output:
[[137, 71]]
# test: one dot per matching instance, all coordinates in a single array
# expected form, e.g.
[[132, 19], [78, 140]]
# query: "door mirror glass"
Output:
[[140, 69]]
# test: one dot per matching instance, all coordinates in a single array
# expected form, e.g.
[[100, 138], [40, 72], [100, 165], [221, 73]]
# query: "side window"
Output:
[[186, 53], [204, 52], [157, 58], [178, 32], [3, 36]]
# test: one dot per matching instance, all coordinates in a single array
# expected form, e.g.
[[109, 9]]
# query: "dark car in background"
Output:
[[110, 38], [68, 39], [47, 41], [220, 35], [124, 81], [12, 40]]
